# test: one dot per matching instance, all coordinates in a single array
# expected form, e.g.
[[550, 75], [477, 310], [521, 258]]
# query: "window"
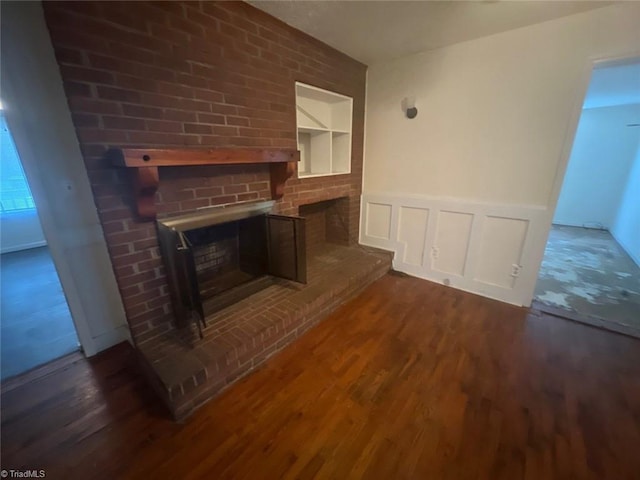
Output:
[[14, 189]]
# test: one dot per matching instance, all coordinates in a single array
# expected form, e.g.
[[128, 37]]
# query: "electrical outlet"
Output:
[[435, 253], [515, 270]]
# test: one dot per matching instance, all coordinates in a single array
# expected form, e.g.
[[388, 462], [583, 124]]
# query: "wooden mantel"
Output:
[[144, 163]]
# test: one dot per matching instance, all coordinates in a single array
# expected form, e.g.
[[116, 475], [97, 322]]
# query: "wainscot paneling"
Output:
[[488, 249]]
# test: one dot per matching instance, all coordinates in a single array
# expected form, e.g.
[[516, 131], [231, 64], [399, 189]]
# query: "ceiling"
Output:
[[616, 85], [376, 31]]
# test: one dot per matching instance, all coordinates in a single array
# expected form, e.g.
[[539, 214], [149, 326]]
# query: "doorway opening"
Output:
[[35, 322], [591, 265]]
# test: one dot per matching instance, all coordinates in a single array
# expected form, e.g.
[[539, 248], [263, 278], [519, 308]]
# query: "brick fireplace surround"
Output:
[[205, 74]]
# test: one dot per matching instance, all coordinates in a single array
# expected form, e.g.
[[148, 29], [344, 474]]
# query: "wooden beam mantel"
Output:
[[144, 163]]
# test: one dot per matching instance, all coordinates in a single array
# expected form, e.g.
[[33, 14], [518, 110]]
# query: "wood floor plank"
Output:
[[409, 380]]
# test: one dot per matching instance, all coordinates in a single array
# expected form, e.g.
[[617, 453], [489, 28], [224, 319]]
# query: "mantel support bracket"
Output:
[[280, 172], [145, 185]]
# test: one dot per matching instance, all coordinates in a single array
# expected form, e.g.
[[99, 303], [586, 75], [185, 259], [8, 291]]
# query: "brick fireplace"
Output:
[[207, 75]]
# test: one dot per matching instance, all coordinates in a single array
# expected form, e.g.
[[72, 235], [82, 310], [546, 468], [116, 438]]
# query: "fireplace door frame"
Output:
[[177, 252]]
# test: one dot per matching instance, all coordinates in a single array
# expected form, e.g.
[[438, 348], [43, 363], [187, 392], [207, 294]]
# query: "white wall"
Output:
[[20, 230], [626, 229], [599, 166], [39, 119], [495, 125]]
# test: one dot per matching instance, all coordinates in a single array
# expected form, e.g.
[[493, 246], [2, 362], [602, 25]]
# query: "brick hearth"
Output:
[[187, 372]]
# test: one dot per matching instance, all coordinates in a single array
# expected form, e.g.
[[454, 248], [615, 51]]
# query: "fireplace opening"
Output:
[[231, 261], [228, 255], [218, 256], [326, 223]]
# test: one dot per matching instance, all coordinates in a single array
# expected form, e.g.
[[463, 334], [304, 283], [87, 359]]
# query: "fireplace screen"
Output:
[[218, 256]]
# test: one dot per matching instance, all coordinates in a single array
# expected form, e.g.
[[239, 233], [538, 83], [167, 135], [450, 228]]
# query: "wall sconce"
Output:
[[410, 107]]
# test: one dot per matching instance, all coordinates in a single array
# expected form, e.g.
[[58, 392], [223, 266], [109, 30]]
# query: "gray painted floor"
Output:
[[35, 323], [587, 272]]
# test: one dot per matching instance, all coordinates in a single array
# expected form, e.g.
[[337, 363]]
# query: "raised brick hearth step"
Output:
[[187, 371]]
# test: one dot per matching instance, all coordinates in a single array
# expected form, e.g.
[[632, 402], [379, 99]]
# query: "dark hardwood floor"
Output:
[[411, 380]]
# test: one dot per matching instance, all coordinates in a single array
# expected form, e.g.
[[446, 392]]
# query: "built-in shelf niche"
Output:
[[324, 131]]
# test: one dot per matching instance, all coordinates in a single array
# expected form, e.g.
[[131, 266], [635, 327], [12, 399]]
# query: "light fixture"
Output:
[[410, 107]]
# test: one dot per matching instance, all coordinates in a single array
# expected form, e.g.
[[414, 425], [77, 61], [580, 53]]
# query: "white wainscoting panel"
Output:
[[489, 249], [378, 220], [412, 231], [501, 238], [449, 252]]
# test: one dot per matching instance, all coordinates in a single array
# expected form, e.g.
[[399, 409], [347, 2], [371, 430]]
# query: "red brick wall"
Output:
[[195, 74], [315, 226]]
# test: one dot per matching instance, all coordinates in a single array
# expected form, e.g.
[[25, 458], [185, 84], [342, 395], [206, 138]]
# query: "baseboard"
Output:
[[107, 340], [627, 250], [26, 246]]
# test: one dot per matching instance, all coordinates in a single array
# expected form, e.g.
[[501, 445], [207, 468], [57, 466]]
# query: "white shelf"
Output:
[[324, 121], [312, 175], [306, 129]]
